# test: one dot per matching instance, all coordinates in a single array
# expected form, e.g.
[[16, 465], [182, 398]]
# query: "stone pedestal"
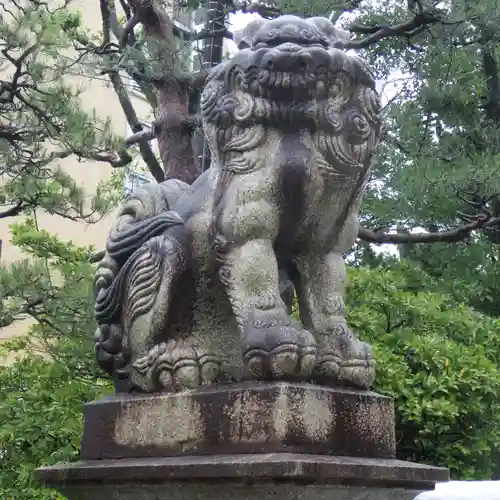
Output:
[[244, 441], [241, 418]]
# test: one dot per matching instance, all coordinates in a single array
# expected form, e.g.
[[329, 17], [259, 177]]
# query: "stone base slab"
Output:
[[235, 492], [240, 418], [278, 476]]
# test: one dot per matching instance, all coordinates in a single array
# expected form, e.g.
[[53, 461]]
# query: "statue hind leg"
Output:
[[143, 266], [320, 284], [157, 357]]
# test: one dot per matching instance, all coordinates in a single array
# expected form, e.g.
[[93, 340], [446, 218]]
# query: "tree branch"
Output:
[[105, 15], [115, 159], [339, 10], [128, 29], [110, 18], [174, 140], [13, 211], [263, 9], [204, 34], [407, 29], [136, 126], [143, 135], [126, 36], [452, 236]]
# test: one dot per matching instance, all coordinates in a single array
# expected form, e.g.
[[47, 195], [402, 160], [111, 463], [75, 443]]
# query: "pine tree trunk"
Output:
[[174, 138]]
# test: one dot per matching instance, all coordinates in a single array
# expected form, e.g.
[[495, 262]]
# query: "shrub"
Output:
[[439, 360]]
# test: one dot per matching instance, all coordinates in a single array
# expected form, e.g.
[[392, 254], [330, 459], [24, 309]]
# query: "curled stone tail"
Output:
[[133, 290], [108, 302], [121, 244]]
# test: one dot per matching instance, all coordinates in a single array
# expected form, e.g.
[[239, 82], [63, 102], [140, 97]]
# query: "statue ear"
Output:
[[243, 38], [335, 37]]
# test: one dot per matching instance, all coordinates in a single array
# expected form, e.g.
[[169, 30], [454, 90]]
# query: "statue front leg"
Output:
[[245, 231], [342, 358]]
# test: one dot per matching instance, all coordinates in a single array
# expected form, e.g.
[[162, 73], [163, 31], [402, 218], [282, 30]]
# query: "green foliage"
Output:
[[41, 406], [440, 115], [54, 288], [42, 397], [43, 121], [305, 8], [432, 319], [439, 359]]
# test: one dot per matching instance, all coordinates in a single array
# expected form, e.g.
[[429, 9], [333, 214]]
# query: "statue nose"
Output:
[[277, 60]]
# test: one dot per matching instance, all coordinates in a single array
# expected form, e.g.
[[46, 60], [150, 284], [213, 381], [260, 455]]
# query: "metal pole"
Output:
[[213, 50]]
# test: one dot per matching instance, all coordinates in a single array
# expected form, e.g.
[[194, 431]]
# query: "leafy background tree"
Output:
[[438, 358], [41, 117], [40, 415], [431, 313], [42, 122]]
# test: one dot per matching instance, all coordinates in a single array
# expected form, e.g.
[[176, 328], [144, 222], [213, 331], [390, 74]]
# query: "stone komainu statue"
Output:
[[188, 292]]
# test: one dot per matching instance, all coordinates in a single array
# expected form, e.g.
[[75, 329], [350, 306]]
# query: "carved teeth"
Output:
[[296, 80], [287, 80]]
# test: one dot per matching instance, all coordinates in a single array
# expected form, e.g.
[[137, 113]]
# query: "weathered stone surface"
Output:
[[246, 477], [188, 298], [211, 491], [241, 418], [188, 291]]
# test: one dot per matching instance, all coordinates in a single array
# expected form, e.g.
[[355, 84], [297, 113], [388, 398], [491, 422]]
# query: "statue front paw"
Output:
[[274, 350], [345, 360], [174, 366]]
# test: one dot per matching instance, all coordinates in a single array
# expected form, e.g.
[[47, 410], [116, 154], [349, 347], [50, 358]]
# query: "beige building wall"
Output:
[[100, 96]]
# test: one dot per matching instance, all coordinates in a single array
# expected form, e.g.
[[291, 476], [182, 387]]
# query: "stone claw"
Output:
[[177, 365], [346, 361], [274, 351]]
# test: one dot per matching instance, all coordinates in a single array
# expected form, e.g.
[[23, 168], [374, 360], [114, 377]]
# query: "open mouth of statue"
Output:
[[291, 40], [291, 84], [292, 71]]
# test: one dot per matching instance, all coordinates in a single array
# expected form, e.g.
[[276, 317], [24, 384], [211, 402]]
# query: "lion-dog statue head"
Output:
[[292, 73]]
